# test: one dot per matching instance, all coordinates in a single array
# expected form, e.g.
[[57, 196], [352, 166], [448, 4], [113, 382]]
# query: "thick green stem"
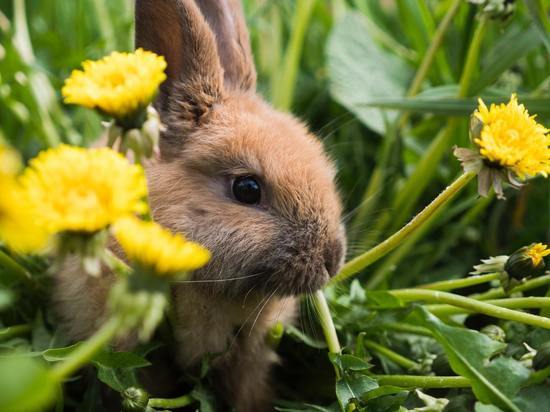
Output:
[[510, 303], [284, 88], [426, 382], [362, 261], [460, 283], [325, 319], [16, 330], [470, 304], [172, 403], [87, 350], [391, 355], [499, 292]]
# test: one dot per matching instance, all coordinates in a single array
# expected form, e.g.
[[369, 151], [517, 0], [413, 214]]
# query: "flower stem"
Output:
[[87, 349], [362, 261], [284, 91], [391, 355], [460, 283], [511, 303], [426, 382], [325, 319], [470, 304], [408, 328], [11, 331], [172, 403], [499, 292], [435, 43]]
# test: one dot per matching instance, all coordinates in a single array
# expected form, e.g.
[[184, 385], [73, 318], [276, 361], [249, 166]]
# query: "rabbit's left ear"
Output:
[[226, 19]]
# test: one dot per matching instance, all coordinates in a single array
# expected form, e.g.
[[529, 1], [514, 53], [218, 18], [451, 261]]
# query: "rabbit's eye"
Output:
[[246, 189]]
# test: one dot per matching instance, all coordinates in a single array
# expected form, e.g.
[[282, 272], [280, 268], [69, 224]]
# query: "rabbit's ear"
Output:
[[226, 19], [177, 30]]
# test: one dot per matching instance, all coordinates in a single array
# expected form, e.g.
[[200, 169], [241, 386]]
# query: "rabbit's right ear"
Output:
[[177, 30]]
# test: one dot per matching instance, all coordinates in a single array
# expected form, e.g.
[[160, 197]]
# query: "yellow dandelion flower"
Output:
[[119, 85], [512, 139], [10, 161], [83, 190], [537, 252], [151, 246], [18, 229]]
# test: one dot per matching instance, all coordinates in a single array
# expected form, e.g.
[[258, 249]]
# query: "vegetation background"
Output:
[[346, 68]]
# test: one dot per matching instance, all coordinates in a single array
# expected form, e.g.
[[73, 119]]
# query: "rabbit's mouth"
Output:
[[282, 281]]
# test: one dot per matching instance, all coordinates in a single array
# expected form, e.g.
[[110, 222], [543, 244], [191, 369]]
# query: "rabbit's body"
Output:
[[279, 238]]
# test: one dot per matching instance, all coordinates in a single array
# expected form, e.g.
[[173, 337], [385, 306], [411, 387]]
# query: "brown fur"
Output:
[[217, 128]]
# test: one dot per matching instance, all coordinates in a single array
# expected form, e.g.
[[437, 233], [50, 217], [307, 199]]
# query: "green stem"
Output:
[[391, 355], [510, 303], [426, 382], [472, 58], [470, 304], [325, 319], [11, 331], [460, 283], [408, 328], [429, 57], [362, 261], [87, 349], [284, 88], [371, 195], [172, 403], [499, 292]]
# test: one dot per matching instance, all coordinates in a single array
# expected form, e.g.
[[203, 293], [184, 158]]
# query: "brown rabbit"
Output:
[[248, 182]]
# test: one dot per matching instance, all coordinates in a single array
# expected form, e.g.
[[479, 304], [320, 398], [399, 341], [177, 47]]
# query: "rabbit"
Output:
[[248, 182]]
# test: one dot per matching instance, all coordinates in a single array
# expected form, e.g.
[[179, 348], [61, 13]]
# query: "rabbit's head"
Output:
[[248, 182]]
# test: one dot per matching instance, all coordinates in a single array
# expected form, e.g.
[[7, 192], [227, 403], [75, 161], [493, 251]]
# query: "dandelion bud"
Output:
[[494, 332], [542, 358], [135, 400], [527, 262]]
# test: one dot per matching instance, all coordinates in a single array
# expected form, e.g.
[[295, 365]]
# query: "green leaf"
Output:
[[530, 399], [349, 363], [359, 71], [377, 299], [481, 407], [109, 359], [25, 385], [469, 352], [353, 387], [510, 47], [540, 20], [117, 379], [452, 106], [59, 354], [6, 298], [205, 397]]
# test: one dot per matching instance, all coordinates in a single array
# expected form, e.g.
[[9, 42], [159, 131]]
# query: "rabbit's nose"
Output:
[[333, 257]]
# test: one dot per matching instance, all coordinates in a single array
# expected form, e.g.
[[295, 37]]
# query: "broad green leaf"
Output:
[[506, 52], [117, 379], [481, 407], [359, 71], [469, 352], [105, 358], [59, 354], [353, 387], [349, 363], [6, 298], [25, 385], [531, 398], [383, 391]]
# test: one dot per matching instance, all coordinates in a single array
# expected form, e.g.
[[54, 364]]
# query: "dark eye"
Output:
[[246, 189]]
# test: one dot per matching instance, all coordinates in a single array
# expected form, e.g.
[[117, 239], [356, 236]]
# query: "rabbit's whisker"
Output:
[[261, 309], [215, 280]]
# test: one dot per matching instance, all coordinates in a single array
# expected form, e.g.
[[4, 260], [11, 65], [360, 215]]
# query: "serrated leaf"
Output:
[[360, 70], [469, 352], [353, 387]]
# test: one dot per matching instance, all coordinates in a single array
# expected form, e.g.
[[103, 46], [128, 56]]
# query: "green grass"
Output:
[[353, 70]]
